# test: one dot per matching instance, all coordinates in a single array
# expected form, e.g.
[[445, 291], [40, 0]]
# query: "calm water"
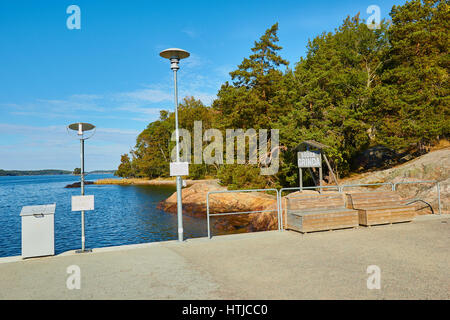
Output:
[[122, 215]]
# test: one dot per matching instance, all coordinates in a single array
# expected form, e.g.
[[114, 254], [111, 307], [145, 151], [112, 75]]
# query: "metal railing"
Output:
[[208, 214], [340, 189], [438, 189]]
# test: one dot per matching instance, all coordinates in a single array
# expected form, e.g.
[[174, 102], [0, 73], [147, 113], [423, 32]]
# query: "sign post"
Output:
[[83, 203], [312, 159], [309, 159]]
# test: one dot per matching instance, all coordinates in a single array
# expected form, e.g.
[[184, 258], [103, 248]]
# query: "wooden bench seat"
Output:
[[380, 207], [318, 212]]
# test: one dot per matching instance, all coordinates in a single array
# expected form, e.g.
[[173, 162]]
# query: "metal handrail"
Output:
[[411, 201], [208, 215], [438, 188]]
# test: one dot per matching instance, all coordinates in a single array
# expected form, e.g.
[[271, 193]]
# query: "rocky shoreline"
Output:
[[194, 204]]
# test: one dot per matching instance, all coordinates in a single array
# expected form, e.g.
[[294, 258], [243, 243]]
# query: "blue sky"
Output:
[[109, 72]]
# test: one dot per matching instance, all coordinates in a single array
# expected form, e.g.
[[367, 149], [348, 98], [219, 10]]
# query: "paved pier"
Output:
[[414, 259]]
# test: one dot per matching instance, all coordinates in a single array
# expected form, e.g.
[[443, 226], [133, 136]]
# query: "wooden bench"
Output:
[[318, 212], [380, 207]]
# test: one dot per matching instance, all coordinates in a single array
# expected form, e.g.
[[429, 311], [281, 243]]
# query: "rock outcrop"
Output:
[[431, 166], [78, 184], [194, 204]]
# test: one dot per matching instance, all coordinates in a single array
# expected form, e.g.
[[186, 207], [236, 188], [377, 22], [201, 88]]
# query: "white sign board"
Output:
[[82, 203], [179, 169], [309, 159]]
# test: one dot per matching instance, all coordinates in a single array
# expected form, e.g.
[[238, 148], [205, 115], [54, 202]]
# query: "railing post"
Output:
[[438, 186], [280, 221], [278, 212], [281, 209], [207, 215]]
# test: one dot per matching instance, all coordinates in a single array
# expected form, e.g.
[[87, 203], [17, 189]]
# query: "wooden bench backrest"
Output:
[[373, 199], [315, 202]]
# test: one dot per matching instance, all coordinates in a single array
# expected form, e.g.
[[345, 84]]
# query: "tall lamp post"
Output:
[[80, 128], [175, 55]]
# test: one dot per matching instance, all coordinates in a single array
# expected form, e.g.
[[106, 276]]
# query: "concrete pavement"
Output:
[[414, 260]]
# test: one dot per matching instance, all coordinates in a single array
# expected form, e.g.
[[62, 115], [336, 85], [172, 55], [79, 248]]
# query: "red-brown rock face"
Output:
[[194, 204]]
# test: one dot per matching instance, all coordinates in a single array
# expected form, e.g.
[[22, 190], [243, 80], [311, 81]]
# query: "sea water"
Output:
[[123, 214]]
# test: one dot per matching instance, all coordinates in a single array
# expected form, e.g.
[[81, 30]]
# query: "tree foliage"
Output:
[[415, 76], [355, 88]]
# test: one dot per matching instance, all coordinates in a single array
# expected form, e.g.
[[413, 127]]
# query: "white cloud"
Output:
[[145, 95], [40, 145], [43, 147], [190, 32]]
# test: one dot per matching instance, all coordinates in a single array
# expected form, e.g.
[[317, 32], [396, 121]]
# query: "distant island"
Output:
[[33, 172], [47, 172]]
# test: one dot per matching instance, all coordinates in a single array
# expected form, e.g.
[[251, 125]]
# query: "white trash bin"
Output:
[[38, 230]]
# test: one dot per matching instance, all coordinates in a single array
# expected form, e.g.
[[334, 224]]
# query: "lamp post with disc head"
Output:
[[81, 128], [175, 55]]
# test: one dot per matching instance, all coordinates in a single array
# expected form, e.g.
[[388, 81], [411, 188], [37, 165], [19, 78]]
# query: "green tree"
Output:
[[151, 155], [416, 74], [355, 88], [332, 91], [254, 99], [250, 101], [124, 169]]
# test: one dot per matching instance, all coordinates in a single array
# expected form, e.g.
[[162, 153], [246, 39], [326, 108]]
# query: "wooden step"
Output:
[[309, 221], [306, 207], [375, 217], [380, 207], [377, 205]]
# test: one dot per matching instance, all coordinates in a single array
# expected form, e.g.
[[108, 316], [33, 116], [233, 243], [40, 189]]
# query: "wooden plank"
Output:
[[376, 201], [326, 221], [352, 222], [374, 218], [330, 222]]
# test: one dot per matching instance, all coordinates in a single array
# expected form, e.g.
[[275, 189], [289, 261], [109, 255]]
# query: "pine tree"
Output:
[[333, 89], [250, 101], [417, 73]]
